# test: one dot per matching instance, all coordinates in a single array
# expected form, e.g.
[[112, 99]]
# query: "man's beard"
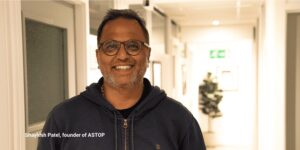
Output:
[[134, 80]]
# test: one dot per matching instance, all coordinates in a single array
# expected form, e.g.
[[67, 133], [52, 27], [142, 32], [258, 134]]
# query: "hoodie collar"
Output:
[[94, 95]]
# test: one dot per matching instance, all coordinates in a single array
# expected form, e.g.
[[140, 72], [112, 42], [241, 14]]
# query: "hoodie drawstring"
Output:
[[116, 131]]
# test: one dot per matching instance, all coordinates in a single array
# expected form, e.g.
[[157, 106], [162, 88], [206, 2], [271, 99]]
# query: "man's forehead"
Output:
[[123, 26], [120, 21]]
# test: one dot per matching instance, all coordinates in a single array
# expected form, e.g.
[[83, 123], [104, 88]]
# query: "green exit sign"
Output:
[[217, 53]]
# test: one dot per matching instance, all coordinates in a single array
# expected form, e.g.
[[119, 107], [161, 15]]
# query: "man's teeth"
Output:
[[122, 67]]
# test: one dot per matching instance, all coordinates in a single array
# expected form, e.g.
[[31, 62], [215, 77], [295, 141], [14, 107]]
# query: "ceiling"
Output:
[[203, 12], [191, 12]]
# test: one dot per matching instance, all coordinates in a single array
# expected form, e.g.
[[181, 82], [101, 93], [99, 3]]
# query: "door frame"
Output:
[[12, 80], [69, 62]]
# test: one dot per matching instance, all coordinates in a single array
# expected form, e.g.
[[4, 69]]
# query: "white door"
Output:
[[49, 60]]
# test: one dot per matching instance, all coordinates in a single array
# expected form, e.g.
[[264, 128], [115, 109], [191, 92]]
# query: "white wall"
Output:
[[12, 116], [167, 71], [271, 99], [237, 125], [93, 73]]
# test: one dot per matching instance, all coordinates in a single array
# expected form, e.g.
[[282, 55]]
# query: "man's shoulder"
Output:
[[171, 112], [174, 108], [71, 106], [170, 102], [70, 102]]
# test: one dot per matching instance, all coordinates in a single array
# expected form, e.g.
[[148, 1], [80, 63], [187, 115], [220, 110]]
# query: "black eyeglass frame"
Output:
[[123, 43]]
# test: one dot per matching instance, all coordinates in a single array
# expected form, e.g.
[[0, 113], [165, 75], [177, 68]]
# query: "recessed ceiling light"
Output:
[[215, 22]]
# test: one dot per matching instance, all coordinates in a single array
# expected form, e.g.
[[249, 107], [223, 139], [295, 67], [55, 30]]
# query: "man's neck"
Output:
[[121, 97]]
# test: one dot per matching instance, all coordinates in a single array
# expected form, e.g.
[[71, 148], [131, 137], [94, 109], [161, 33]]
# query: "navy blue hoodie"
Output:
[[89, 122]]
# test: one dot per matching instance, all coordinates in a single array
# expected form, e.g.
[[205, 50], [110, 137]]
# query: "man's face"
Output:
[[122, 69]]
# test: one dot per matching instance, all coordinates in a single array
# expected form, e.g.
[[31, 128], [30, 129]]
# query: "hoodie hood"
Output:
[[155, 96]]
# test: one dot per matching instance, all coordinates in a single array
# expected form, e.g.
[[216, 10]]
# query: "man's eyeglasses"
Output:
[[132, 47]]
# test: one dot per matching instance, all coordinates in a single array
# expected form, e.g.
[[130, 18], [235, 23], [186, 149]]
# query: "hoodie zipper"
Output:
[[125, 126]]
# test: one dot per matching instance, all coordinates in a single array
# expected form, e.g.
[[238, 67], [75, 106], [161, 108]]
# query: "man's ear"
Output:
[[97, 51]]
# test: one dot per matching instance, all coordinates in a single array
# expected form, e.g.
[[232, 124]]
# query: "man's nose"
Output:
[[122, 54]]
